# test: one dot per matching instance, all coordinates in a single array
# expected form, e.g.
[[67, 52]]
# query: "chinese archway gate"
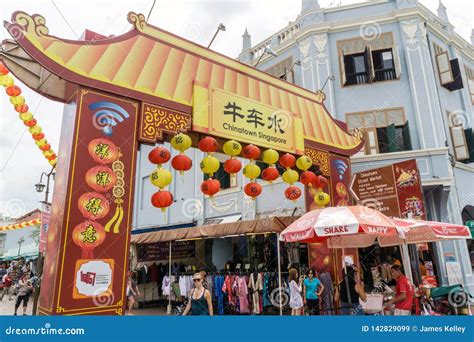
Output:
[[144, 87]]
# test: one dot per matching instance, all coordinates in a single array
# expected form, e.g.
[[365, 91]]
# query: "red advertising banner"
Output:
[[95, 191], [395, 190], [45, 216]]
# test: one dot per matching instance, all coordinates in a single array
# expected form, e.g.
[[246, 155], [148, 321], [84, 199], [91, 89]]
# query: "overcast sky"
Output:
[[21, 163]]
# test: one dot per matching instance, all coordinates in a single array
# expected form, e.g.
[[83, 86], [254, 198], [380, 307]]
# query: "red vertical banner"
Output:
[[45, 216], [409, 189], [340, 180], [95, 191]]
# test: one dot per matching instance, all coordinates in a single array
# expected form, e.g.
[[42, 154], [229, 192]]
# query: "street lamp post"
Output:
[[221, 27], [20, 242], [39, 262]]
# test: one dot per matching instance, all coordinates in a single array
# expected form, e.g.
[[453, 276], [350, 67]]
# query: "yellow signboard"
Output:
[[232, 116]]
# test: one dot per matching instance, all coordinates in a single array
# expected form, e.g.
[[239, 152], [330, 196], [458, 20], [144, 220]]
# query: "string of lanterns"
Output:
[[20, 106], [23, 224], [210, 165]]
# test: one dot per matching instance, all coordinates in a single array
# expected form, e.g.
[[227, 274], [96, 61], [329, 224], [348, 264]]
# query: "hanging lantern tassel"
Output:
[[118, 192]]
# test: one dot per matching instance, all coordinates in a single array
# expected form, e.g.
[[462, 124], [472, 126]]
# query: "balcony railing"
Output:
[[384, 74], [357, 78]]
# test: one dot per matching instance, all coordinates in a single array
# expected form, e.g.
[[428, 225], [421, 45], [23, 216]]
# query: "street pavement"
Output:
[[7, 307]]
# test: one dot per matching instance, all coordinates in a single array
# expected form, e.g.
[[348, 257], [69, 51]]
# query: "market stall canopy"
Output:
[[29, 219], [265, 225], [155, 66], [341, 227], [419, 231]]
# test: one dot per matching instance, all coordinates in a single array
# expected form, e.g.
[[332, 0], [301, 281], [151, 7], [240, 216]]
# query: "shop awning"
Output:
[[266, 225]]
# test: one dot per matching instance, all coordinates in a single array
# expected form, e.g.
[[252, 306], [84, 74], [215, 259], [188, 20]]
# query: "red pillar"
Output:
[[85, 270]]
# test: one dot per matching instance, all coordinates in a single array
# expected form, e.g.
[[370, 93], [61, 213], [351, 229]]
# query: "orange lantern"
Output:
[[270, 174], [100, 178], [232, 166], [162, 199], [3, 69], [287, 160], [88, 235], [13, 90], [182, 163], [292, 193], [38, 136], [45, 147], [159, 155], [93, 205], [251, 152], [23, 108], [210, 187], [208, 144], [30, 123], [103, 151], [309, 178], [253, 189]]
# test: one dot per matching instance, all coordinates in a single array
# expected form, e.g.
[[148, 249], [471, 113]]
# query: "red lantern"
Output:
[[210, 187], [88, 235], [45, 147], [30, 123], [13, 90], [103, 151], [162, 199], [101, 178], [251, 152], [232, 166], [287, 160], [93, 205], [292, 193], [38, 136], [182, 163], [3, 69], [308, 178], [321, 182], [22, 108], [253, 189], [159, 155], [270, 174], [51, 157], [208, 144]]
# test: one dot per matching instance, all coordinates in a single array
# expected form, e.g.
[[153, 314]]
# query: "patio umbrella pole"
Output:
[[169, 275], [279, 274]]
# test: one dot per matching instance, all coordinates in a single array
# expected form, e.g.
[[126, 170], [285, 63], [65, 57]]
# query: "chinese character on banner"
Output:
[[232, 109], [88, 278]]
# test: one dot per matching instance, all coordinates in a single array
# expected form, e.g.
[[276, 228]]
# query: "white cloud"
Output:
[[196, 20]]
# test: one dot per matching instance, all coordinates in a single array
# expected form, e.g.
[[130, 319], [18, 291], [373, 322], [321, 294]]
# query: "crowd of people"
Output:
[[18, 282]]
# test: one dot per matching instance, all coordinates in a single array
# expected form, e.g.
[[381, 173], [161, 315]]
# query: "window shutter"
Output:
[[406, 137], [392, 138], [470, 143], [343, 69], [459, 142], [456, 70], [371, 143], [369, 65], [471, 89], [396, 61], [444, 68]]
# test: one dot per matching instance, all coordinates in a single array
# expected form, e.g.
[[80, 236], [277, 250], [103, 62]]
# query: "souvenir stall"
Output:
[[246, 287]]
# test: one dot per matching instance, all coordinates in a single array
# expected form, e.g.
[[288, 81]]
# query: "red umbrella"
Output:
[[354, 226], [418, 231]]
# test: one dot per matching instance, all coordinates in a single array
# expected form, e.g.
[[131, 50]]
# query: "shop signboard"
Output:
[[394, 189], [454, 272], [470, 225], [232, 116], [340, 180], [160, 250]]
